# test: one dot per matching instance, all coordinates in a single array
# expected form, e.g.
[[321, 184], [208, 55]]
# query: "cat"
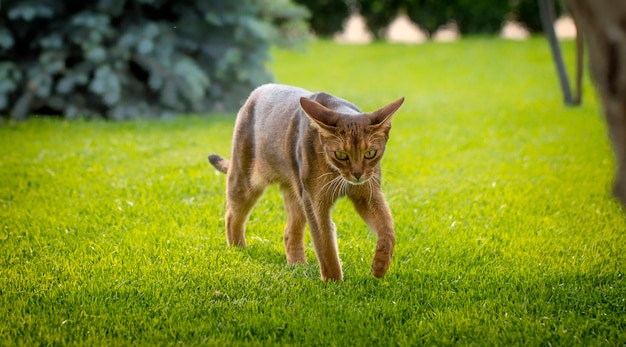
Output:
[[318, 148]]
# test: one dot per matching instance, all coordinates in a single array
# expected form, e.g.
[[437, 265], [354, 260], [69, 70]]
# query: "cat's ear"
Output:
[[319, 114], [383, 115]]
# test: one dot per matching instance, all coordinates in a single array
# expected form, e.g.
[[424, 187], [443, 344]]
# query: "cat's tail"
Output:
[[220, 163]]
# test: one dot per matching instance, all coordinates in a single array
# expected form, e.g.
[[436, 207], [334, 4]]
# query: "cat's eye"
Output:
[[370, 154], [341, 155]]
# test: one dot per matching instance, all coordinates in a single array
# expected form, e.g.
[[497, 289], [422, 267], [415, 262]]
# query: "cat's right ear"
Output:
[[319, 114], [383, 115]]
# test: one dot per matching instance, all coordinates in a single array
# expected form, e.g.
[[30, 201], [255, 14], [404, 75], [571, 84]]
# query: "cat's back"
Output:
[[271, 113], [279, 101], [276, 99]]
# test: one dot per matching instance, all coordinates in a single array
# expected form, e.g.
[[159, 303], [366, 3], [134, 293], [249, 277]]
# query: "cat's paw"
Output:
[[296, 259], [381, 262], [331, 271], [380, 267], [332, 278], [382, 257]]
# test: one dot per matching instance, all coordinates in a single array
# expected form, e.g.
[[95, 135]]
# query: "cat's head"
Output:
[[353, 143]]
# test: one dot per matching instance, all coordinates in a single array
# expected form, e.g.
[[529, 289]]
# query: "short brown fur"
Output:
[[318, 148]]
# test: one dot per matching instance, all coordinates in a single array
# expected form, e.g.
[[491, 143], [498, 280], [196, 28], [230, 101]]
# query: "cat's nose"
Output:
[[357, 174]]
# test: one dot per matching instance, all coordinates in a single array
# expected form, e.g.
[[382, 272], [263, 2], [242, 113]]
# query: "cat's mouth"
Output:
[[356, 181]]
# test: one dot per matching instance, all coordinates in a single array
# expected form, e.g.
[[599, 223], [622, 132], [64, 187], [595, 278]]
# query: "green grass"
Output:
[[112, 233]]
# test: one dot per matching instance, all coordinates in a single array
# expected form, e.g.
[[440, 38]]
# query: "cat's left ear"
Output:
[[383, 115], [319, 114]]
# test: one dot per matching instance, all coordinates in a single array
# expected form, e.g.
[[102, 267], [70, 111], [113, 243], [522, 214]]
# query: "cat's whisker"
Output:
[[380, 180], [328, 184], [345, 186], [324, 175], [369, 182], [376, 179], [333, 196], [338, 189]]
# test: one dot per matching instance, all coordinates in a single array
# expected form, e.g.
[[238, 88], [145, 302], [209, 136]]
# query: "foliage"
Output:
[[484, 16], [132, 58], [430, 14], [378, 14], [328, 16], [113, 233], [527, 12]]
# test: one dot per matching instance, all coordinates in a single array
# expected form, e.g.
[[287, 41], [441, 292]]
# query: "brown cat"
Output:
[[318, 148]]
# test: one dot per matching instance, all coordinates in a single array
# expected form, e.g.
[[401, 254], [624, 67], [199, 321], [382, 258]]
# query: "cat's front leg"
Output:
[[294, 230], [376, 214], [324, 239]]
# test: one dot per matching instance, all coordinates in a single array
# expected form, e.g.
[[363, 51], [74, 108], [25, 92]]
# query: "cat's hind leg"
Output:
[[294, 231], [240, 198]]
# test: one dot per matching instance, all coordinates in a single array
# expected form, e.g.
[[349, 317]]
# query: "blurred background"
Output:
[[124, 59]]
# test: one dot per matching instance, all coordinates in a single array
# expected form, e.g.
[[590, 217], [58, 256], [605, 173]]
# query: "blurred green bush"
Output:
[[483, 17], [378, 14], [472, 16], [430, 14], [527, 12], [123, 59], [328, 15]]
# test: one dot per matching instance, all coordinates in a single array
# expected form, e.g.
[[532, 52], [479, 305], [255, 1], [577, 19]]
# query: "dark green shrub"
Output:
[[527, 12], [484, 16], [137, 58], [378, 14], [327, 16], [429, 14]]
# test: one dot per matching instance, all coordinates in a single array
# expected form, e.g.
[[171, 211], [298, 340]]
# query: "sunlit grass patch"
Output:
[[112, 233]]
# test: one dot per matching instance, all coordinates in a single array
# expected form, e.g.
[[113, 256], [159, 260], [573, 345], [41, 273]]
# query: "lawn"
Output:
[[112, 233]]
